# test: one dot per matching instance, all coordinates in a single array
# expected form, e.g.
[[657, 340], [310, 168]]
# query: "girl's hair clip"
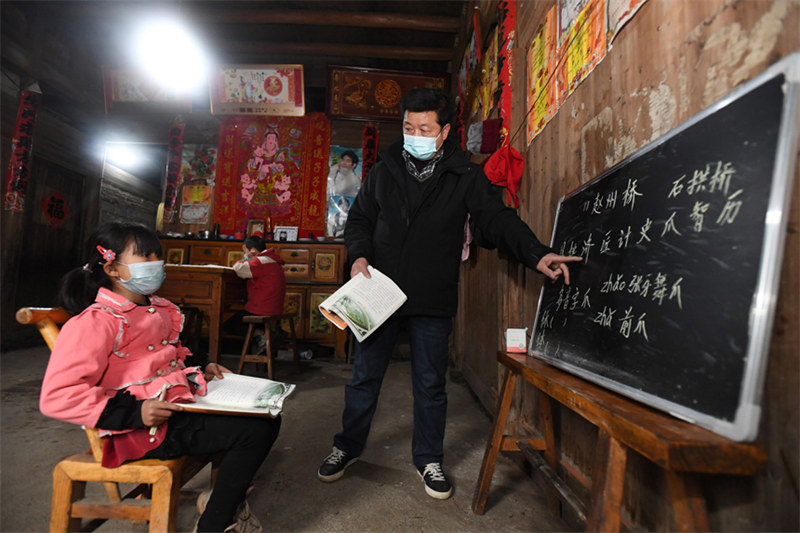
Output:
[[108, 255], [87, 268]]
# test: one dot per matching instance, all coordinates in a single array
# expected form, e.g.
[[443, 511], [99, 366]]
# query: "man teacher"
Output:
[[408, 221]]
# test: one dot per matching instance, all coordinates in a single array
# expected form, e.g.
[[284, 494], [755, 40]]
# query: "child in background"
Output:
[[114, 358], [266, 286]]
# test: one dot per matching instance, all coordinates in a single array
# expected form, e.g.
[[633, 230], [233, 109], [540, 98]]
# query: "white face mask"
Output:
[[422, 148], [146, 278]]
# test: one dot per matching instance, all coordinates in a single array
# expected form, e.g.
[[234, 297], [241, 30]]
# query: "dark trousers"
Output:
[[429, 339], [246, 442]]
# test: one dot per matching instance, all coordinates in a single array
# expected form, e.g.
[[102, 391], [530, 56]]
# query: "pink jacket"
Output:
[[266, 282], [115, 345]]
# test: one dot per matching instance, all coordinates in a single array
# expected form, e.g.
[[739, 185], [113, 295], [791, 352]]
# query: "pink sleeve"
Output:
[[76, 366]]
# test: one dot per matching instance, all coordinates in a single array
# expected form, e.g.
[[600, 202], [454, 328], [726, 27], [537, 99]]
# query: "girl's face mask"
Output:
[[146, 278]]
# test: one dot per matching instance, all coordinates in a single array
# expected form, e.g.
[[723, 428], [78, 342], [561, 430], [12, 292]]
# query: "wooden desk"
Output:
[[314, 271], [678, 447], [212, 289]]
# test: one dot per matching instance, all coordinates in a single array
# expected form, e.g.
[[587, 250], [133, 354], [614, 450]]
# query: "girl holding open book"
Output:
[[118, 365]]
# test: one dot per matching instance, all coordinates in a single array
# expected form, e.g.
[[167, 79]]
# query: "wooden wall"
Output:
[[672, 60]]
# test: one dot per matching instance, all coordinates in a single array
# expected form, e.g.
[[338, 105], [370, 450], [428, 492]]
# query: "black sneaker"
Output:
[[436, 483], [334, 465]]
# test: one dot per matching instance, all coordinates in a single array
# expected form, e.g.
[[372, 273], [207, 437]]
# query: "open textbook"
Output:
[[363, 303], [238, 394]]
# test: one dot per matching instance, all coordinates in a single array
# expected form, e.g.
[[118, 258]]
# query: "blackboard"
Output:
[[682, 245]]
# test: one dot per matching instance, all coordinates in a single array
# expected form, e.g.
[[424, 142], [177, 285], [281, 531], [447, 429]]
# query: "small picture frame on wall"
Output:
[[254, 225], [285, 233], [233, 257], [175, 256]]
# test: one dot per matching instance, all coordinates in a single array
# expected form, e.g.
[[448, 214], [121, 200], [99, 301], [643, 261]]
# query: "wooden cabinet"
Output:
[[313, 272]]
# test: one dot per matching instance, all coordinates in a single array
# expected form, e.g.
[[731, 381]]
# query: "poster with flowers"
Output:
[[198, 163], [272, 166]]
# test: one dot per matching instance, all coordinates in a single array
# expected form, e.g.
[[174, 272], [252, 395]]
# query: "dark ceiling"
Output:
[[62, 45]]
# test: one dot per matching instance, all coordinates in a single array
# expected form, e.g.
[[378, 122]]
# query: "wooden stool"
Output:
[[266, 322]]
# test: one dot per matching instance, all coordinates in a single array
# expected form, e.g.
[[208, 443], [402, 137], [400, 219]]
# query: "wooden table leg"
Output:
[[688, 502], [608, 482], [546, 420], [494, 444]]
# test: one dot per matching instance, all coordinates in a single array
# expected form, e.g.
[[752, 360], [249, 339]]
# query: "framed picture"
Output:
[[285, 233], [234, 256], [275, 90], [293, 305], [130, 90], [175, 256], [373, 94], [318, 325], [325, 266], [254, 225]]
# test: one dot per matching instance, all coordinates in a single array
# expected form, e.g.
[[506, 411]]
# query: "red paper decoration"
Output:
[[369, 148], [21, 143], [508, 14], [55, 209], [174, 149]]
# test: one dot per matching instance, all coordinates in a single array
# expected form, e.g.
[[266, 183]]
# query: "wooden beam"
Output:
[[328, 49], [402, 21]]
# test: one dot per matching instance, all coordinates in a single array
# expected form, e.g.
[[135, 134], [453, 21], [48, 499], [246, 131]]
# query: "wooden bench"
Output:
[[680, 448]]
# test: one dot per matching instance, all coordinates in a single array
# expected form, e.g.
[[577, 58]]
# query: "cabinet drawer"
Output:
[[207, 254], [294, 255], [296, 271]]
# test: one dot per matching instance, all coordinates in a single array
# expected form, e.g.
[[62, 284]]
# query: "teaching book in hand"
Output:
[[363, 303], [243, 395]]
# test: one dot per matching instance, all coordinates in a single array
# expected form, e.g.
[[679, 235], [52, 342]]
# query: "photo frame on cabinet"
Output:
[[285, 233], [175, 256], [233, 257], [254, 225]]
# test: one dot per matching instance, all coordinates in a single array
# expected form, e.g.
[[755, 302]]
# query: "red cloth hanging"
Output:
[[504, 167]]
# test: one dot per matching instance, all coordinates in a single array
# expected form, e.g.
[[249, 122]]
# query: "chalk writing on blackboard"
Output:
[[673, 242]]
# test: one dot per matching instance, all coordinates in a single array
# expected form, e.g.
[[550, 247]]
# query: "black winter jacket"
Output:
[[421, 249]]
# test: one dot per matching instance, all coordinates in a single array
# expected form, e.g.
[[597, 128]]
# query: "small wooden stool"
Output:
[[266, 322]]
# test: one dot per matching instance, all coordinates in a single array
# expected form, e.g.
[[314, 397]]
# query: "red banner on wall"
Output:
[[174, 150], [21, 144], [369, 148], [272, 165], [508, 15]]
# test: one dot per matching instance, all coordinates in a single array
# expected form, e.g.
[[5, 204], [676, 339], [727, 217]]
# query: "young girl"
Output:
[[118, 366]]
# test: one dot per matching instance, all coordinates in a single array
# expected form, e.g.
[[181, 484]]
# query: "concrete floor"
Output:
[[381, 492]]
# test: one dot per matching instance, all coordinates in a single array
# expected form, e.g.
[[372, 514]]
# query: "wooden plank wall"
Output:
[[672, 60]]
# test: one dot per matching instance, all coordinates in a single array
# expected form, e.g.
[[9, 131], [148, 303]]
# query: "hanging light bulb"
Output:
[[171, 55]]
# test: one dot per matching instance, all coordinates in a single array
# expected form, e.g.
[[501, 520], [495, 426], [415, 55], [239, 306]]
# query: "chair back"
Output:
[[46, 319]]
